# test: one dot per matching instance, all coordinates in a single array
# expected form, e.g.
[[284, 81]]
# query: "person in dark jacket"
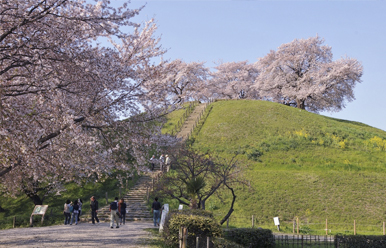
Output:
[[122, 209], [114, 214], [156, 210], [75, 213], [94, 210]]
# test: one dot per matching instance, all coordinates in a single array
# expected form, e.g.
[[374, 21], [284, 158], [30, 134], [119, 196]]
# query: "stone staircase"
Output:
[[135, 201], [136, 198], [190, 122]]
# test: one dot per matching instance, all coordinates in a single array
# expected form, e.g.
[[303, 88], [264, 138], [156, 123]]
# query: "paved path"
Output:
[[131, 235]]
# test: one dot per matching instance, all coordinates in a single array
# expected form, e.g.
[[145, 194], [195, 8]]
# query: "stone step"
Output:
[[135, 200]]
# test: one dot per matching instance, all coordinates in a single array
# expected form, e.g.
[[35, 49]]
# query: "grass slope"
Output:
[[300, 165]]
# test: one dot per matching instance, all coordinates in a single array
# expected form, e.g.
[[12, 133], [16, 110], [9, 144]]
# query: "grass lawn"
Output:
[[300, 165]]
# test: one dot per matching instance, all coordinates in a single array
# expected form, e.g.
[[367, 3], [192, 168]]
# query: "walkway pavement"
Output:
[[131, 235]]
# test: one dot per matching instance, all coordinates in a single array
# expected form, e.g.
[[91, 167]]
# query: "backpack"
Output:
[[114, 206], [71, 208]]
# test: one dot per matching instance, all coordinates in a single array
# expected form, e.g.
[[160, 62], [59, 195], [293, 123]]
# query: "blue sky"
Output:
[[213, 31]]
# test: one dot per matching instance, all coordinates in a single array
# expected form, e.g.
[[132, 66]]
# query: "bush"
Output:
[[200, 224], [223, 243], [360, 241], [251, 237]]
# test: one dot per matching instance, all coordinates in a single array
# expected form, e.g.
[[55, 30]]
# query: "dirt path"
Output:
[[84, 235]]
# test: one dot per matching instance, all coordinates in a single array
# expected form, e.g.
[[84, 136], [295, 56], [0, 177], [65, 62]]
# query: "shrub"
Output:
[[200, 224], [251, 237], [360, 241]]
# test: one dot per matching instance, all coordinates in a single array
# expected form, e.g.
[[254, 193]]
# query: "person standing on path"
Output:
[[155, 209], [152, 162], [162, 162], [122, 210], [167, 163], [94, 210], [66, 212], [75, 213], [114, 214], [80, 203]]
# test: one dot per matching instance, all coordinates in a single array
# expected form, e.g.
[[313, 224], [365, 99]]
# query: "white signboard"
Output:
[[180, 207], [276, 220]]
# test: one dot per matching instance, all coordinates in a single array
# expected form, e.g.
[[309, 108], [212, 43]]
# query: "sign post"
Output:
[[165, 211], [38, 210]]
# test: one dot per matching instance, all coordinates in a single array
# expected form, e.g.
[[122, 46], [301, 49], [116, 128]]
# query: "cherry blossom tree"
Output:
[[184, 81], [234, 80], [63, 94], [302, 74]]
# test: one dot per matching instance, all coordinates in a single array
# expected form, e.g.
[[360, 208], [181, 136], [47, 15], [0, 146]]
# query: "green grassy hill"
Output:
[[300, 165]]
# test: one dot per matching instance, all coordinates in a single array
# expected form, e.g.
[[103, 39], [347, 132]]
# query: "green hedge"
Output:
[[360, 241], [199, 223], [251, 237]]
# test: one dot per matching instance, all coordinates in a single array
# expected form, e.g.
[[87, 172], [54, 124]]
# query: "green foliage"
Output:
[[224, 243], [360, 241], [195, 185], [251, 237], [199, 223]]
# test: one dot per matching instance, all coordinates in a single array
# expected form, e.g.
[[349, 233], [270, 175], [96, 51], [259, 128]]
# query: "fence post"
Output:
[[197, 240], [147, 193], [326, 228], [384, 231], [228, 222], [207, 242], [180, 237], [293, 227], [184, 237], [14, 221], [253, 223], [107, 199], [297, 225], [355, 228]]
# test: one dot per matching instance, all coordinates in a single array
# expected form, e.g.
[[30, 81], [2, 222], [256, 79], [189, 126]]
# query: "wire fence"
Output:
[[302, 227], [296, 241]]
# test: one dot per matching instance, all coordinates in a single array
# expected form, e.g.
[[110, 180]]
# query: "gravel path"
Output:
[[82, 235]]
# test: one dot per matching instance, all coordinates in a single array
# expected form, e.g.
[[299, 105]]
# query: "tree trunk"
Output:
[[203, 204], [231, 208], [300, 104], [33, 194], [36, 199]]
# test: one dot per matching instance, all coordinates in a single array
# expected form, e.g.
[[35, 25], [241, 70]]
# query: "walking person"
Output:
[[75, 213], [156, 209], [66, 212], [122, 210], [162, 162], [94, 209], [114, 214], [80, 203]]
